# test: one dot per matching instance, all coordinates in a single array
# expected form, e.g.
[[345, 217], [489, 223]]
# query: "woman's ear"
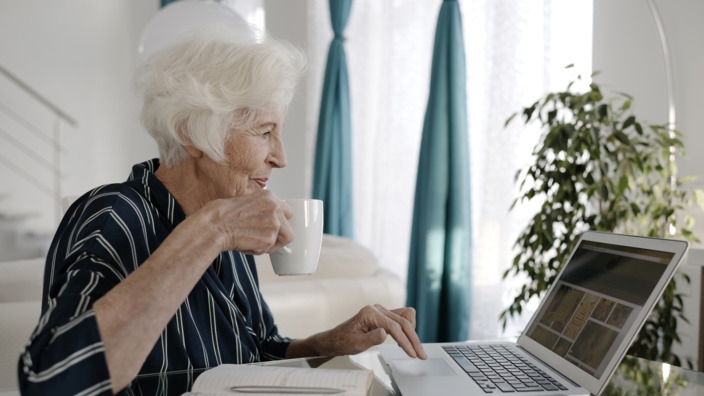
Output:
[[192, 150]]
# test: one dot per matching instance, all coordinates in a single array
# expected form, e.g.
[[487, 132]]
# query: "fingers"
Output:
[[370, 327], [370, 339], [408, 313], [285, 232], [400, 324], [287, 209], [255, 223]]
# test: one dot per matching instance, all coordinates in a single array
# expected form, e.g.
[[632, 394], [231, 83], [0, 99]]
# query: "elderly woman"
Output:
[[156, 274]]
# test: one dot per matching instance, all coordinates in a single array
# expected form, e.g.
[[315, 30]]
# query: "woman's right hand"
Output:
[[255, 223]]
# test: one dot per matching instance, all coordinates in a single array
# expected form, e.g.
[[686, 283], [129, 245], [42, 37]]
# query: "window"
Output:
[[515, 51]]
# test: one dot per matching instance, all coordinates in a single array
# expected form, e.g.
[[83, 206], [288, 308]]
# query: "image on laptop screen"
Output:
[[596, 299]]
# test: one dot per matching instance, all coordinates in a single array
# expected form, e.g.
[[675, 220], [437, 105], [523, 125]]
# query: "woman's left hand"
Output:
[[369, 327]]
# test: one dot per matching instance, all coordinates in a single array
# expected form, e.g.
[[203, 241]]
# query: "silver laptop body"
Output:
[[578, 336]]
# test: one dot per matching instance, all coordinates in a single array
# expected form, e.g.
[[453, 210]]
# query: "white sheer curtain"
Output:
[[516, 51]]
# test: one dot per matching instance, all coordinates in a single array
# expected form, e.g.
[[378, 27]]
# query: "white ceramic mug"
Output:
[[300, 257]]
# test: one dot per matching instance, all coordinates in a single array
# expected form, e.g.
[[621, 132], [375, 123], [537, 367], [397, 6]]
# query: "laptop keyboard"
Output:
[[496, 368]]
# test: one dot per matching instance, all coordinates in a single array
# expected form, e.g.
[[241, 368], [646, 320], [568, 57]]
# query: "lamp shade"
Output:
[[178, 18]]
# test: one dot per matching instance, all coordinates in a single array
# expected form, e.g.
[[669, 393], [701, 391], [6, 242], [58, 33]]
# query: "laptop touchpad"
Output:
[[423, 368]]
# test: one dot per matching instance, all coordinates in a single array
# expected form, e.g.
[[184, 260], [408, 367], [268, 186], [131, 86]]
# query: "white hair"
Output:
[[198, 89]]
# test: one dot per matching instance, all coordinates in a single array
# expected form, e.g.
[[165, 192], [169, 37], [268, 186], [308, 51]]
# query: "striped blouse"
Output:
[[104, 236]]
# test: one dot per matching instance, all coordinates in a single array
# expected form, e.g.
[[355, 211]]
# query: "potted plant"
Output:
[[597, 167]]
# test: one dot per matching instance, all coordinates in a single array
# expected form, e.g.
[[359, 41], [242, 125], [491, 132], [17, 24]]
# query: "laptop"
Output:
[[575, 340]]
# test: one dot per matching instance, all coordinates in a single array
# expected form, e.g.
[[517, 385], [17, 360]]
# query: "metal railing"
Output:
[[51, 139]]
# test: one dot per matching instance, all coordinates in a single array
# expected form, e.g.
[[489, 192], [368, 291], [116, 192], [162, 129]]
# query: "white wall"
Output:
[[286, 19], [79, 54], [628, 53]]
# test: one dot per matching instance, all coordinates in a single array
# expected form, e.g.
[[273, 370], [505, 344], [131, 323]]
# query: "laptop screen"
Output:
[[595, 301]]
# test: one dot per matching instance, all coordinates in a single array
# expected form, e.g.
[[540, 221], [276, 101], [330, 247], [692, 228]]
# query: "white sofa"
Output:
[[348, 277], [20, 305]]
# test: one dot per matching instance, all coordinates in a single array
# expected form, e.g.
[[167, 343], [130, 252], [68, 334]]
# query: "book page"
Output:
[[223, 377]]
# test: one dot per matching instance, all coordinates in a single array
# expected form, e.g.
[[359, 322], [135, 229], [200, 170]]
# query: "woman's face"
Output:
[[251, 156]]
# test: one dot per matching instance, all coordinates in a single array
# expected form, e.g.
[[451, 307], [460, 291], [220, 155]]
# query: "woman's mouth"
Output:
[[261, 182]]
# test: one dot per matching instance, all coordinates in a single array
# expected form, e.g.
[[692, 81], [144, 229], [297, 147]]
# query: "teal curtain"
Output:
[[439, 278], [332, 172], [164, 3]]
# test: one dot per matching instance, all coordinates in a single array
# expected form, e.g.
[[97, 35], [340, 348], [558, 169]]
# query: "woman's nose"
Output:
[[277, 156]]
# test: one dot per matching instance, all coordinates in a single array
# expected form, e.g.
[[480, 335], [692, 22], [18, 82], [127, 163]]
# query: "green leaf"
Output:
[[638, 127], [622, 137], [622, 184], [698, 196], [629, 121], [603, 192], [626, 105], [603, 111], [528, 112], [508, 120], [551, 116], [635, 209]]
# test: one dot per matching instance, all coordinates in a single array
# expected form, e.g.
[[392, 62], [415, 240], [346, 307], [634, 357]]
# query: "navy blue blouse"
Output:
[[104, 236]]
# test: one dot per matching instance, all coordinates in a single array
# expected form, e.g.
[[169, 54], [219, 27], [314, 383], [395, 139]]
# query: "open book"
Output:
[[236, 379]]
